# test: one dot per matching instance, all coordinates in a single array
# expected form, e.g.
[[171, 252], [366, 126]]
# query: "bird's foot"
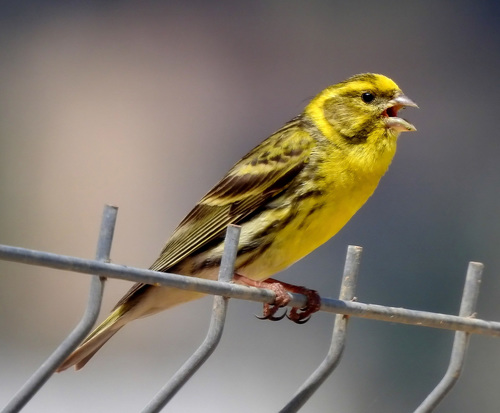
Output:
[[303, 315], [282, 290]]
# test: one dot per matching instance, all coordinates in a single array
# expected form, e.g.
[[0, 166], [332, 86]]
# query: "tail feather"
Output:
[[141, 301], [85, 351]]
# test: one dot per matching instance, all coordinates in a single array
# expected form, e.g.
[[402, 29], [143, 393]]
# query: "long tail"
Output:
[[141, 301], [94, 341]]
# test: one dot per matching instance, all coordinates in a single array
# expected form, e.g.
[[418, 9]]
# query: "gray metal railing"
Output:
[[465, 324]]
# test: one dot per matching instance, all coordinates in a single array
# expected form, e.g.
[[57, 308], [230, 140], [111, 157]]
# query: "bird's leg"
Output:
[[281, 289]]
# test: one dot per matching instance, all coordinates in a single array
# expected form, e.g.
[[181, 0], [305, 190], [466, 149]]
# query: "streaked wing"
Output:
[[263, 173]]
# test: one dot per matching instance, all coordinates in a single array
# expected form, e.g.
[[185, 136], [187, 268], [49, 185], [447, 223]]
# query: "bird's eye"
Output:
[[367, 97]]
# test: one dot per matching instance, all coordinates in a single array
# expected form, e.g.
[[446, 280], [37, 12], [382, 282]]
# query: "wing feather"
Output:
[[263, 173]]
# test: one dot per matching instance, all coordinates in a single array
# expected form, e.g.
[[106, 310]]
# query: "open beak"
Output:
[[391, 114]]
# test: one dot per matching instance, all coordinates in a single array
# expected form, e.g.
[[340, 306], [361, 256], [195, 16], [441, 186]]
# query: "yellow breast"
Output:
[[317, 219]]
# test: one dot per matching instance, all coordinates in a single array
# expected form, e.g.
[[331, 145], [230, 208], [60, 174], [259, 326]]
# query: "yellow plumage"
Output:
[[290, 194]]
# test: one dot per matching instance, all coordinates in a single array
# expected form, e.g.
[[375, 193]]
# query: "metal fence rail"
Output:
[[465, 324]]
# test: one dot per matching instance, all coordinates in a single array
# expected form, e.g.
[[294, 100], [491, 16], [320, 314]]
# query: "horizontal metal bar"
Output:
[[215, 329], [357, 309]]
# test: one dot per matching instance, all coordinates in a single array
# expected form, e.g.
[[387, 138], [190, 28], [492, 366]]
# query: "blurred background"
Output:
[[145, 105]]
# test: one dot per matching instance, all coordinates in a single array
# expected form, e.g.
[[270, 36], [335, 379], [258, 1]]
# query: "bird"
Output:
[[290, 194]]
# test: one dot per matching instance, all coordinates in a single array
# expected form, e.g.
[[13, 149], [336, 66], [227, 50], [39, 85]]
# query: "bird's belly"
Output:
[[311, 227]]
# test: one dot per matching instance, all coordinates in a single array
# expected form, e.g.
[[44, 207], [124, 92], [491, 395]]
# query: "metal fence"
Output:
[[464, 324]]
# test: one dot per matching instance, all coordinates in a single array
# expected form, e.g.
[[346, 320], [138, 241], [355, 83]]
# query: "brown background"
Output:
[[145, 106]]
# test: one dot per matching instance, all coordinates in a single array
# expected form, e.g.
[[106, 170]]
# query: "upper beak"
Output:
[[403, 100], [392, 120]]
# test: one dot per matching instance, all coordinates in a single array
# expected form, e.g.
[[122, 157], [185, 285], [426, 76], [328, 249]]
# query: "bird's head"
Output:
[[361, 107]]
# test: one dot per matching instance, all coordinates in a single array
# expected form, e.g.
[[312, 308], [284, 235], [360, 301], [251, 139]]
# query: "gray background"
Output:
[[146, 106]]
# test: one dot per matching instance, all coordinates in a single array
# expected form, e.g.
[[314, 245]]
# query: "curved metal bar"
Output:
[[460, 343], [43, 373], [215, 330], [332, 359]]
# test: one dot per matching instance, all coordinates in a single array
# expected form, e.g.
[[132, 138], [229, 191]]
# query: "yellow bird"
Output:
[[290, 194]]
